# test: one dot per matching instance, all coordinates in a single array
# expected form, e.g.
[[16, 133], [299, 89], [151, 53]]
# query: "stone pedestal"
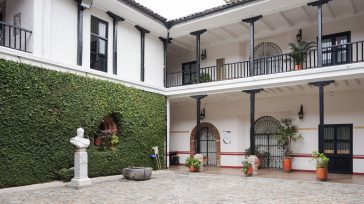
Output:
[[253, 160], [81, 178], [200, 158]]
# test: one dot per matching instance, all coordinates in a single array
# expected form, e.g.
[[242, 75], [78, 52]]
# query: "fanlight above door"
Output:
[[266, 49]]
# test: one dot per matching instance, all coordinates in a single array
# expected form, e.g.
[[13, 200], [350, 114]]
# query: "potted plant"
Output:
[[193, 164], [247, 168], [260, 154], [204, 77], [287, 134], [174, 158], [321, 162], [299, 52]]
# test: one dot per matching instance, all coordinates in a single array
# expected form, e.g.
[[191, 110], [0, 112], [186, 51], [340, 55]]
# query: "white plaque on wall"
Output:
[[226, 137]]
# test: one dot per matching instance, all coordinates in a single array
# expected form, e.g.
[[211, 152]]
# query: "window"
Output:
[[98, 53], [189, 73], [335, 49]]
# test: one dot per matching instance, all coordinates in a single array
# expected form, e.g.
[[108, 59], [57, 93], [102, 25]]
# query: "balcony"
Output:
[[332, 55], [15, 37]]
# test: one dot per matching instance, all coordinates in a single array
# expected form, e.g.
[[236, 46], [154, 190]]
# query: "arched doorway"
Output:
[[271, 154], [209, 143]]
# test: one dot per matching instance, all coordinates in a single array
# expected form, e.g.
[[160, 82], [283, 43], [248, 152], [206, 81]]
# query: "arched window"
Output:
[[268, 58]]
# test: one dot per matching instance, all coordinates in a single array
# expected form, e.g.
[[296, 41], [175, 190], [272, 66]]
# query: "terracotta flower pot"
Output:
[[298, 67], [321, 174], [249, 172], [193, 169], [287, 165]]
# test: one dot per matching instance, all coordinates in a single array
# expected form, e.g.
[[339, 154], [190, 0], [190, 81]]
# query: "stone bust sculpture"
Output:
[[79, 141]]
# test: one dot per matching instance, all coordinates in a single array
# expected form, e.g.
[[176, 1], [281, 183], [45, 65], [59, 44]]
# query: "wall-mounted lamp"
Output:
[[299, 36], [86, 4], [300, 114], [203, 54], [202, 114]]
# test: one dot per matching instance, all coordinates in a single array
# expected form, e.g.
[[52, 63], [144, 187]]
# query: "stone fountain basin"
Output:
[[137, 173]]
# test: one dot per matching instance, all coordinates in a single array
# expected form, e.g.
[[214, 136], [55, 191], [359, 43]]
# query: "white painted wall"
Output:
[[25, 8], [63, 33], [55, 38], [228, 51], [154, 60], [129, 51], [341, 108]]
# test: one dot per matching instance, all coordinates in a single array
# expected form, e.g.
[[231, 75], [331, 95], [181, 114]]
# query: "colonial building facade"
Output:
[[229, 73]]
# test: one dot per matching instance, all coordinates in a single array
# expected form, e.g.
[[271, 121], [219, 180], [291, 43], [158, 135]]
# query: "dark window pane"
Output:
[[98, 47], [343, 133], [329, 133]]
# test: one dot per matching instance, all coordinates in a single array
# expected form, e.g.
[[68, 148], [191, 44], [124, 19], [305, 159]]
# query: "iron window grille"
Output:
[[99, 44]]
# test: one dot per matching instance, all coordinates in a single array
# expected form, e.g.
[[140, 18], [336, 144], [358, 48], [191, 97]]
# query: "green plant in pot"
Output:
[[193, 164], [287, 135], [321, 162], [247, 168], [299, 52], [204, 77], [259, 153]]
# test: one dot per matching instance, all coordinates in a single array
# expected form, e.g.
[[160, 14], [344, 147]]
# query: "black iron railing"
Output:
[[208, 74], [14, 37], [334, 55]]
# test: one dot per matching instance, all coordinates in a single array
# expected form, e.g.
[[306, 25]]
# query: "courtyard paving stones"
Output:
[[177, 187]]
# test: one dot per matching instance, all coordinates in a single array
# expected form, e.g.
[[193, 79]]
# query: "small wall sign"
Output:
[[226, 137]]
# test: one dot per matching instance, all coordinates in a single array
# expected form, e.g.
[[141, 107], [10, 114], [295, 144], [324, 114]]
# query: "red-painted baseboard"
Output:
[[233, 153], [304, 170], [232, 167], [358, 173]]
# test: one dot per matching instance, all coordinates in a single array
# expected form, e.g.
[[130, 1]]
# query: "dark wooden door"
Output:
[[220, 69], [337, 144], [189, 73]]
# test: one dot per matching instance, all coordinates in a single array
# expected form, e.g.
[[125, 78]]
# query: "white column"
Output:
[[87, 39], [41, 38]]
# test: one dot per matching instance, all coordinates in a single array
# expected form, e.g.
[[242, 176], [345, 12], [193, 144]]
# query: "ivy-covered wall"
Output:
[[40, 111]]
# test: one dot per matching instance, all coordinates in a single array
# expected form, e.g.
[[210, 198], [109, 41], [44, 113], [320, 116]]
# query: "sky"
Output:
[[172, 9]]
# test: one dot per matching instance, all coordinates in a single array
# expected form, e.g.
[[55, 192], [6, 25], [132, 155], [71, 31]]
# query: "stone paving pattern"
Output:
[[176, 187]]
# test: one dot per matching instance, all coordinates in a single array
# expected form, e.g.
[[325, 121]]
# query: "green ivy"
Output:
[[40, 111]]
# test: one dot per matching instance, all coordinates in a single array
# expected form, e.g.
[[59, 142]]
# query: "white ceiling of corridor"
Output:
[[273, 24]]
